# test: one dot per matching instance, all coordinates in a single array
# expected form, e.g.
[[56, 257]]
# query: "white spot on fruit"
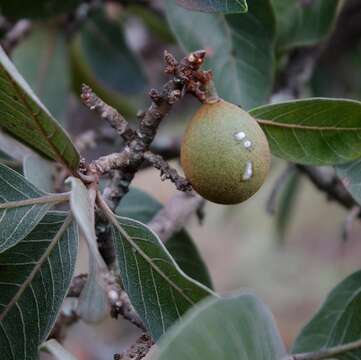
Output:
[[248, 172], [247, 144], [240, 135]]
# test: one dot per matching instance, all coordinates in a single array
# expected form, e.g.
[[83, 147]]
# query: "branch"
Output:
[[119, 301], [167, 172], [107, 112], [16, 34], [175, 214], [327, 353], [329, 184], [137, 351]]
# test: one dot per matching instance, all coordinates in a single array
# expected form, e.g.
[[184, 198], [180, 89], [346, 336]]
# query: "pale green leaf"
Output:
[[228, 6], [34, 279], [82, 204], [93, 302], [313, 131], [40, 172], [304, 23], [158, 289], [25, 117], [140, 206], [337, 322], [42, 59], [350, 175], [233, 328], [57, 350], [240, 48], [22, 206]]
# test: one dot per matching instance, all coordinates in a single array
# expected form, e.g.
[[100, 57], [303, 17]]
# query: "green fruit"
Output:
[[225, 153]]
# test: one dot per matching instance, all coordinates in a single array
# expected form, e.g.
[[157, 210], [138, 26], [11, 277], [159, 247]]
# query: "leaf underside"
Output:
[[337, 322], [233, 328], [140, 206], [159, 291], [16, 223], [34, 278]]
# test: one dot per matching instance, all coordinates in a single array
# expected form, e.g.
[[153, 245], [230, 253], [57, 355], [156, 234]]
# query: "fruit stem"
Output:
[[211, 93]]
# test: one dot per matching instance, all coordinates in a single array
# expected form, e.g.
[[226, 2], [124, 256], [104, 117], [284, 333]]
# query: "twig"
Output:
[[107, 112], [137, 351], [330, 185], [350, 218], [175, 214], [327, 353], [16, 34], [167, 172], [119, 301]]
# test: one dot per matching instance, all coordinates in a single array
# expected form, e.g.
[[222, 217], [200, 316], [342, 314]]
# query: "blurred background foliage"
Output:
[[291, 258]]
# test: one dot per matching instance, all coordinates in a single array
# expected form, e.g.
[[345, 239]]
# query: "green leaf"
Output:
[[42, 59], [240, 48], [337, 322], [40, 172], [17, 9], [108, 55], [23, 116], [57, 350], [158, 289], [313, 131], [233, 328], [304, 23], [229, 6], [350, 175], [140, 206], [34, 279], [22, 206]]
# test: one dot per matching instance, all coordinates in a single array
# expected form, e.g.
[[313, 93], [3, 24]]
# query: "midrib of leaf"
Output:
[[109, 214], [34, 116], [55, 198], [306, 127], [42, 259], [149, 260]]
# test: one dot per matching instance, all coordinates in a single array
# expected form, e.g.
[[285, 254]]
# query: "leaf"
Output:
[[140, 206], [22, 206], [229, 6], [350, 175], [42, 59], [82, 206], [57, 350], [93, 302], [234, 328], [23, 115], [337, 322], [17, 9], [108, 55], [39, 172], [240, 48], [313, 131], [34, 279], [304, 23], [158, 289]]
